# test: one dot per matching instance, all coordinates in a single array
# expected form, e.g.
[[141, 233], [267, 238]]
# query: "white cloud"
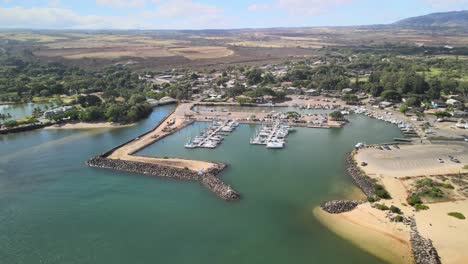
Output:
[[186, 8], [187, 14], [259, 7], [447, 5], [63, 18], [121, 3], [300, 7]]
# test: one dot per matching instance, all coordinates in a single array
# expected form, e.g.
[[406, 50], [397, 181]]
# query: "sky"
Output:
[[211, 14]]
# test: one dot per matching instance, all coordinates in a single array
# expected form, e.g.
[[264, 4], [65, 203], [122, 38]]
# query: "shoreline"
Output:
[[84, 125], [431, 235], [369, 231]]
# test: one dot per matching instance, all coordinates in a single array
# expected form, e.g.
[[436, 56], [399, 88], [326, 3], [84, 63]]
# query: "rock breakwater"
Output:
[[361, 179], [423, 250], [340, 206], [208, 178]]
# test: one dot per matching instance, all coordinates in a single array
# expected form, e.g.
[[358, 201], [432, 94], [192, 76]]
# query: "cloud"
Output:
[[447, 5], [121, 3], [300, 7], [186, 8], [63, 18], [259, 7], [187, 14]]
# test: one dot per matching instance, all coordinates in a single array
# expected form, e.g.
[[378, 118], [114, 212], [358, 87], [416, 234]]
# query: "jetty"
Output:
[[124, 158]]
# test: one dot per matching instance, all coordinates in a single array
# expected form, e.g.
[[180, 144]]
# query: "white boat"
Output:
[[190, 145], [359, 145], [227, 129], [275, 144]]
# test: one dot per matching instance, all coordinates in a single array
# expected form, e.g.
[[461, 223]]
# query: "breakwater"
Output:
[[340, 206], [208, 178], [359, 177], [423, 250]]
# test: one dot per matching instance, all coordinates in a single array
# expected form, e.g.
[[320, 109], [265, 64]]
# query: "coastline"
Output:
[[370, 230], [83, 125], [431, 230]]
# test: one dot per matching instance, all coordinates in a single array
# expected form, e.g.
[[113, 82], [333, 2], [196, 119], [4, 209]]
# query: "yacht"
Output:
[[227, 129], [275, 144], [190, 145]]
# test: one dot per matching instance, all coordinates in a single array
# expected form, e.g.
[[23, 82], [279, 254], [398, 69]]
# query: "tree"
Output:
[[336, 115], [413, 102], [136, 99], [404, 108], [350, 98], [391, 95], [115, 113], [92, 113], [442, 114], [254, 76]]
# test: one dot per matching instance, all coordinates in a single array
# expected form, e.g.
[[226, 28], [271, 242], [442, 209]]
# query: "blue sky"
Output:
[[203, 14]]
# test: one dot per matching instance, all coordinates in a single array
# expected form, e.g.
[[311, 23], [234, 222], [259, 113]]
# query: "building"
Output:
[[453, 102], [436, 104], [311, 92]]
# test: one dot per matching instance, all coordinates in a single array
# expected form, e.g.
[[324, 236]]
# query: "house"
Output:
[[346, 90], [436, 104], [311, 92], [453, 102], [385, 104], [291, 90], [57, 111]]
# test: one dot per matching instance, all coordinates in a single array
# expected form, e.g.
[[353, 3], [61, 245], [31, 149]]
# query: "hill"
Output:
[[445, 19]]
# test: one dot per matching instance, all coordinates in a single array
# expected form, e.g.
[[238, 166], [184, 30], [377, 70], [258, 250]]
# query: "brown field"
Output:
[[202, 52], [212, 49], [106, 53]]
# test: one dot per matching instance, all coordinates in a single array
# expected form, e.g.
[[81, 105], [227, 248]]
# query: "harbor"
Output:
[[153, 203], [273, 136], [211, 137]]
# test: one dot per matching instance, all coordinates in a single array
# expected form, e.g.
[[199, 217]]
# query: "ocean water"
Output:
[[55, 209]]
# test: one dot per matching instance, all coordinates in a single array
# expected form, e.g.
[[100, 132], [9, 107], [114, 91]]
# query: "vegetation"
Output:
[[15, 123], [398, 218], [395, 210], [420, 207], [381, 207], [336, 115], [457, 215], [381, 192]]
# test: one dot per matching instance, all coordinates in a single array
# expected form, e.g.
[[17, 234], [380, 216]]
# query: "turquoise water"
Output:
[[55, 209]]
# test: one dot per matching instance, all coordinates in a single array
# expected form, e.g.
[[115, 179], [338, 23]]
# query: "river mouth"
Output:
[[57, 206]]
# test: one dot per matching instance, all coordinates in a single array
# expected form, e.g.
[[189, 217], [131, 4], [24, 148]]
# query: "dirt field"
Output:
[[202, 52]]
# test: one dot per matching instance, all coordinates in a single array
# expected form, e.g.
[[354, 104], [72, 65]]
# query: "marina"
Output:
[[152, 204], [211, 137], [273, 136], [406, 127]]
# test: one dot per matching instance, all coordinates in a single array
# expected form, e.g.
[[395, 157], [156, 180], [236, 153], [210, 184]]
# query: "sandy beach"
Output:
[[414, 161], [371, 231], [82, 125]]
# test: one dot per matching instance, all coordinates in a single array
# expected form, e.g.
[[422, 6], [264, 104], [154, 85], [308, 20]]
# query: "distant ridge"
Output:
[[444, 19]]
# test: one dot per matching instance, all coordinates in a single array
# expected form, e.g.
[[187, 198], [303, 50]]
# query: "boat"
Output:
[[275, 144], [227, 129], [359, 145], [190, 145]]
